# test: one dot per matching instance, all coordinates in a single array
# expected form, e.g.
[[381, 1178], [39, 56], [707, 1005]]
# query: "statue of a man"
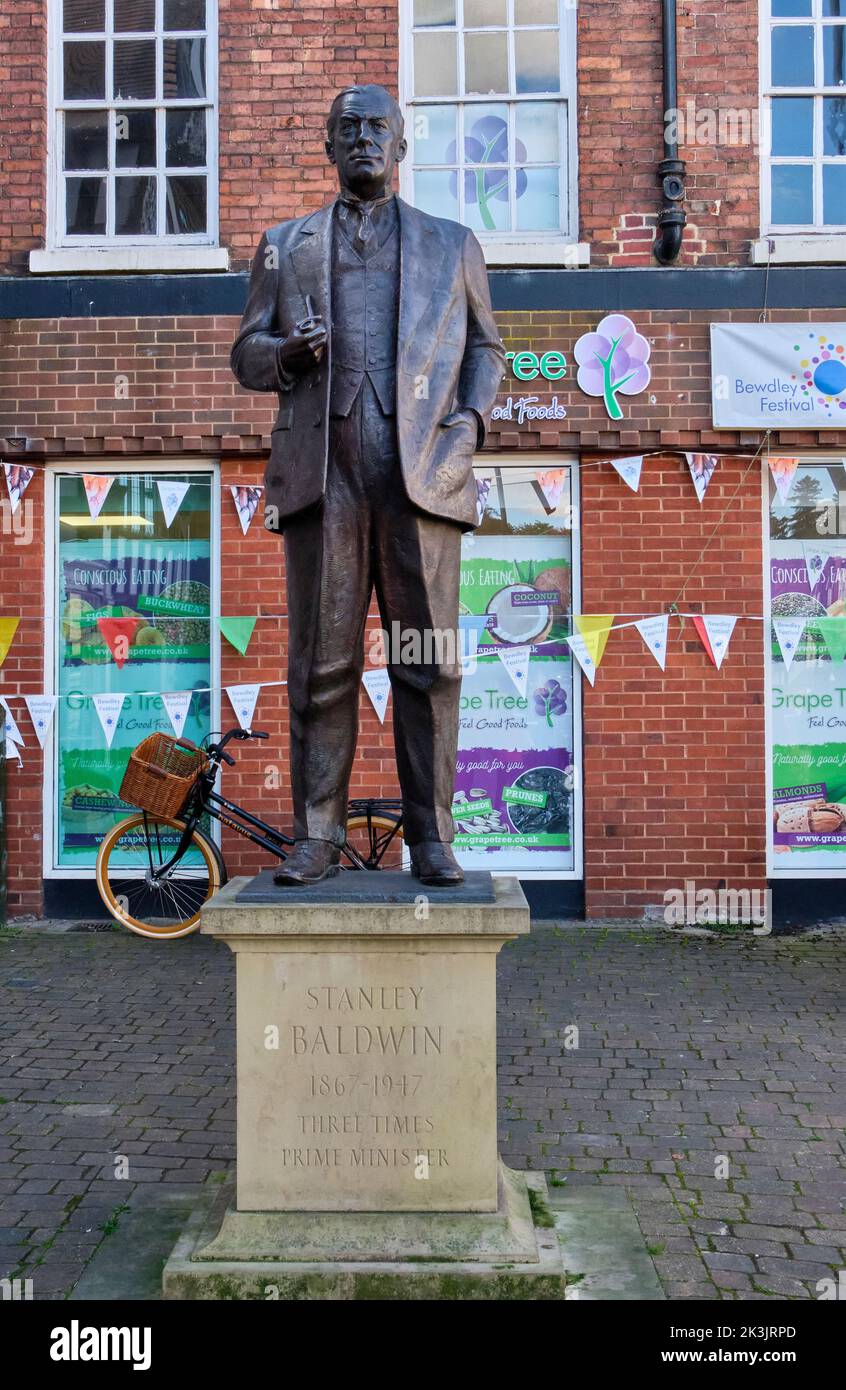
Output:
[[373, 323]]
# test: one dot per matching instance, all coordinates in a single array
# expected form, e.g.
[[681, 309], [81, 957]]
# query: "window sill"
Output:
[[91, 260], [794, 248], [523, 252]]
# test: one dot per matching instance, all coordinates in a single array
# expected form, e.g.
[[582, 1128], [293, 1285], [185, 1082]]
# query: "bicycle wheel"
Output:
[[166, 907], [376, 839]]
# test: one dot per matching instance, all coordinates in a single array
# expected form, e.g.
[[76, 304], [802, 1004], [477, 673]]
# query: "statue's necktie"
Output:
[[364, 228]]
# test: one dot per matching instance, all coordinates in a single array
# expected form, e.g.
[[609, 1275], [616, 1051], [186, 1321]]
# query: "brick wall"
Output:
[[673, 764], [280, 65]]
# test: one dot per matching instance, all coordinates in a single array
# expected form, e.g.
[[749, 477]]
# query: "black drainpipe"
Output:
[[671, 218]]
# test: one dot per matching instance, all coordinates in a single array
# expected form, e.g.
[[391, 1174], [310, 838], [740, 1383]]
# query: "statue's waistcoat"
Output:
[[365, 311]]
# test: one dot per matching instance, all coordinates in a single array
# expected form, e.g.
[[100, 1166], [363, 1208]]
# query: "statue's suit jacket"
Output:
[[449, 357]]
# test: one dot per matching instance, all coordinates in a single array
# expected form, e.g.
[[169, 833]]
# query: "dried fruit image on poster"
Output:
[[807, 681]]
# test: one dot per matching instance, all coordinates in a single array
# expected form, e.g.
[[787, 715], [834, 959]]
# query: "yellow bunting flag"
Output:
[[8, 628], [594, 628]]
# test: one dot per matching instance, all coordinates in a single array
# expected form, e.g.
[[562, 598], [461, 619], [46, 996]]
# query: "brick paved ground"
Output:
[[689, 1049]]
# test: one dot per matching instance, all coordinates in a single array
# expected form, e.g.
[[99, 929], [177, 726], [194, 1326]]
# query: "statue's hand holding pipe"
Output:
[[305, 344]]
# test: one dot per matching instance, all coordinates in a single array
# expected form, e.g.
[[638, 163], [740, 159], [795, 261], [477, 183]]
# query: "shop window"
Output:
[[134, 123], [803, 57], [489, 89], [806, 678], [517, 803], [125, 563]]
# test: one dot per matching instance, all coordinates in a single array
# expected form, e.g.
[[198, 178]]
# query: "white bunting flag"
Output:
[[629, 470], [579, 647], [177, 704], [171, 496], [243, 700], [719, 627], [246, 501], [18, 479], [377, 683], [97, 487], [516, 662], [12, 751], [702, 468], [789, 632], [553, 484], [12, 731], [783, 471], [108, 707], [654, 633], [816, 555], [41, 713]]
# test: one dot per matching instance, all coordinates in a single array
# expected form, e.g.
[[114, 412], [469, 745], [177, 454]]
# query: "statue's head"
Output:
[[364, 138]]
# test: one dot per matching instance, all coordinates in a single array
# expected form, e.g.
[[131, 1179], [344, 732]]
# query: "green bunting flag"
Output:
[[238, 631], [833, 633]]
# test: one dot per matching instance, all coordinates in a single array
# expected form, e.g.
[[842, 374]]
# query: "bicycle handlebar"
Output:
[[216, 749]]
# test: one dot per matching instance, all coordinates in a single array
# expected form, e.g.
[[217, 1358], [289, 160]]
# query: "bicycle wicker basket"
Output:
[[161, 773]]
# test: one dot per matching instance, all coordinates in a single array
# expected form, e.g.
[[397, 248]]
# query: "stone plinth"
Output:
[[366, 1075]]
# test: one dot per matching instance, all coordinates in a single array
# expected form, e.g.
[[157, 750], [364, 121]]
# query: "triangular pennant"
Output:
[[594, 628], [8, 628], [377, 683], [41, 713], [171, 496], [581, 652], [238, 631], [246, 501], [18, 479], [783, 471], [715, 631], [483, 487], [629, 470], [118, 634], [12, 751], [654, 633], [516, 662], [552, 483], [243, 699], [177, 704], [816, 556], [97, 487], [108, 707], [833, 631], [12, 730], [702, 471], [789, 632]]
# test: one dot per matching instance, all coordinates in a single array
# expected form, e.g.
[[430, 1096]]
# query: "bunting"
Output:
[[8, 628], [654, 633], [171, 496], [18, 479], [41, 713], [516, 662], [377, 683], [238, 632], [715, 631], [702, 467], [243, 699], [629, 470]]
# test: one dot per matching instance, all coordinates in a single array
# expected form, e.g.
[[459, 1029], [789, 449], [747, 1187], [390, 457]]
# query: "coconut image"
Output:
[[515, 619]]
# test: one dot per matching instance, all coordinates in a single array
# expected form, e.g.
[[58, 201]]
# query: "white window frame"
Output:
[[560, 247], [50, 868], [164, 251], [776, 867], [783, 242]]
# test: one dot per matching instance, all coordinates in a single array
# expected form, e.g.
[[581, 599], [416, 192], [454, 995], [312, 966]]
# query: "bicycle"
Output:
[[155, 871]]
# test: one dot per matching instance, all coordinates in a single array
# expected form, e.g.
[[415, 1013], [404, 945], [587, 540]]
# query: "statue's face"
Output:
[[365, 143]]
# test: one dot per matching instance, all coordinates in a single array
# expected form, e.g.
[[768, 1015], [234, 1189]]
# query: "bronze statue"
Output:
[[372, 320]]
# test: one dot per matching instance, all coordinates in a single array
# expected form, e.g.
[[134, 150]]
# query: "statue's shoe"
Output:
[[434, 864], [309, 862]]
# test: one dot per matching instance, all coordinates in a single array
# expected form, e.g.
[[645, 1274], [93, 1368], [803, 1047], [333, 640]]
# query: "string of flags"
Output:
[[587, 644], [171, 493], [550, 483]]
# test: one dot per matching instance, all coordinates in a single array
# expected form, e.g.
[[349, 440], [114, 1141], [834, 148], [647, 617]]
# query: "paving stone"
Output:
[[130, 1050]]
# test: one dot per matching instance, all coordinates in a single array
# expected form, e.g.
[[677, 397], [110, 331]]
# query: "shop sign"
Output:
[[778, 375]]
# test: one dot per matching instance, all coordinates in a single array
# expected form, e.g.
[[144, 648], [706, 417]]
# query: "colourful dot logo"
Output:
[[822, 372]]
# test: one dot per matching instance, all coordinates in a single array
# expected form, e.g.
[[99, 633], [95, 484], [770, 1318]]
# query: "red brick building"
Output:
[[146, 144]]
